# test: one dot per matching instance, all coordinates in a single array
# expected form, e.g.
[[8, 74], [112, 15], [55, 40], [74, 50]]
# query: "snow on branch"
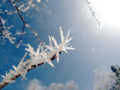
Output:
[[8, 35], [19, 8], [5, 34], [25, 24], [93, 12], [22, 8], [43, 54]]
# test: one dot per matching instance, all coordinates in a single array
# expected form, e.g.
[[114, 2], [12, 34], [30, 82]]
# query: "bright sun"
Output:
[[108, 11]]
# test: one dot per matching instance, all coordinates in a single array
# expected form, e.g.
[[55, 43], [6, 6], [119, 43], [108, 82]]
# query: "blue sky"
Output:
[[95, 48]]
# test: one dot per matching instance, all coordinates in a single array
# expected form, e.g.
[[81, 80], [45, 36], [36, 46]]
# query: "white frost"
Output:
[[43, 54], [7, 35]]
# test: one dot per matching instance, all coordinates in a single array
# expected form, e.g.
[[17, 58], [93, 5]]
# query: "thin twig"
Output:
[[93, 13], [25, 25]]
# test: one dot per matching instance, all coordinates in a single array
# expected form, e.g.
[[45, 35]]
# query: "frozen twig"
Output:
[[25, 24], [93, 13], [5, 34], [43, 54]]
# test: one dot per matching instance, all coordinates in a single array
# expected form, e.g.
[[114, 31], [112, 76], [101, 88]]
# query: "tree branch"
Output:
[[25, 25], [33, 66], [93, 13], [43, 54]]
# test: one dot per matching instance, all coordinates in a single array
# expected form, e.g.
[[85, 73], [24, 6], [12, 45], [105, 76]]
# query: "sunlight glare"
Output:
[[108, 11]]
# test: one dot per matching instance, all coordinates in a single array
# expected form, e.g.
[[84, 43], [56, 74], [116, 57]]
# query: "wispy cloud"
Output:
[[38, 85]]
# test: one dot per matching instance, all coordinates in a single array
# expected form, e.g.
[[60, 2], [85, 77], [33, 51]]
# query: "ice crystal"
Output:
[[43, 54]]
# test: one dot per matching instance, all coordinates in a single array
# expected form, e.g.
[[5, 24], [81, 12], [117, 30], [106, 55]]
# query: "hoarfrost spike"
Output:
[[6, 74], [55, 42], [67, 35], [21, 62], [57, 57], [3, 76], [61, 34], [50, 63], [38, 49], [70, 48], [50, 42], [68, 40], [14, 67]]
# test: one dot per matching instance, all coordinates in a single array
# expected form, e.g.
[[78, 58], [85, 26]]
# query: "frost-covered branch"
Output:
[[43, 54], [22, 9], [5, 34], [25, 24], [93, 13]]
